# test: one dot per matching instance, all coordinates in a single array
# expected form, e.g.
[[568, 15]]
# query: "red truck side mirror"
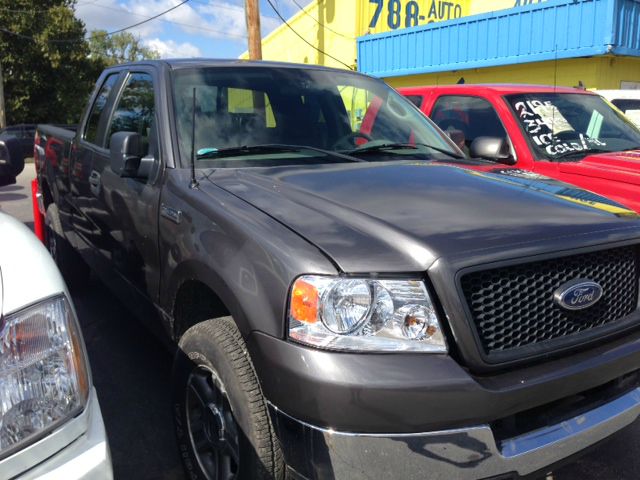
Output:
[[496, 149]]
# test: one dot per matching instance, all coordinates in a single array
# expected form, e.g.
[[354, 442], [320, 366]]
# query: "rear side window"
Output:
[[91, 128], [468, 118], [135, 109], [415, 99]]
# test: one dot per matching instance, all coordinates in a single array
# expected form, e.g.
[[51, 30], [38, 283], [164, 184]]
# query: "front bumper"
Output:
[[77, 450], [466, 453]]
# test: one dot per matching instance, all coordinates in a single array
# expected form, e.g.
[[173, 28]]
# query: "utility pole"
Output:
[[252, 14]]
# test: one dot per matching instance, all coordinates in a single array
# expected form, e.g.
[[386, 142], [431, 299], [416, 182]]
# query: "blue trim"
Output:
[[556, 29]]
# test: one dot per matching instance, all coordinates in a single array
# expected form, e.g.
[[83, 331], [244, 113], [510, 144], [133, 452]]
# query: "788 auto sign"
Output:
[[386, 15]]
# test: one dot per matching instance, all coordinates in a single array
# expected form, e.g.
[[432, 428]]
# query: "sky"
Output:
[[199, 28]]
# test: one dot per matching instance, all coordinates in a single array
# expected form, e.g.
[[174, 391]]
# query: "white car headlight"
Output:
[[44, 378], [364, 315]]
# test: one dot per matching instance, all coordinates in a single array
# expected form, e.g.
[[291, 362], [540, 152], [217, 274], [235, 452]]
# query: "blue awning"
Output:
[[556, 29]]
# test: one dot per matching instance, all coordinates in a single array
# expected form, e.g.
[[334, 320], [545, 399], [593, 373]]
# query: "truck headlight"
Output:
[[44, 378], [364, 315]]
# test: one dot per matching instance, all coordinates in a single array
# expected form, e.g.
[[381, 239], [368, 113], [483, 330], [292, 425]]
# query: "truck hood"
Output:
[[616, 166], [401, 216]]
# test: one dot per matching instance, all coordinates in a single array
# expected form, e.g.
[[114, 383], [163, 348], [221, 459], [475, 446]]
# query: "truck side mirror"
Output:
[[126, 153], [496, 149], [11, 160]]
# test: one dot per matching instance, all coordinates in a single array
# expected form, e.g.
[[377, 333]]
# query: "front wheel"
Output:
[[222, 424]]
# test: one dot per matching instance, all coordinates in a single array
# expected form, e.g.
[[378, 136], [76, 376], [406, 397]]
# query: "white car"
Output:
[[50, 421], [628, 101]]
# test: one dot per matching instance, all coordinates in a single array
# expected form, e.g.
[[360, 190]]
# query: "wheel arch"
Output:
[[197, 294]]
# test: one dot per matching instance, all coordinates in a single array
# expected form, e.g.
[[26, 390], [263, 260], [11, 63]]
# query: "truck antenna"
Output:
[[194, 182]]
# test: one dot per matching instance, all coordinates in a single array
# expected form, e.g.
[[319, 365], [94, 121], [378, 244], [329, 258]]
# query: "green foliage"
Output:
[[47, 72], [118, 48]]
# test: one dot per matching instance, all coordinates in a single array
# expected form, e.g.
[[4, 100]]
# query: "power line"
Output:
[[319, 23], [27, 37], [174, 22], [226, 7], [302, 38], [149, 19]]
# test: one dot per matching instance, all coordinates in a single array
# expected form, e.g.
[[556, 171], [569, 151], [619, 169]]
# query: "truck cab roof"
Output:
[[498, 88]]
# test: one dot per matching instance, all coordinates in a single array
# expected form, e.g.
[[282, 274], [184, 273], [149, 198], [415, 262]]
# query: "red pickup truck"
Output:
[[565, 133]]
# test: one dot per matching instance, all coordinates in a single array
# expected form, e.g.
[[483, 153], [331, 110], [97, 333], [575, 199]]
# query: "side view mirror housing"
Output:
[[11, 160], [496, 149], [126, 152]]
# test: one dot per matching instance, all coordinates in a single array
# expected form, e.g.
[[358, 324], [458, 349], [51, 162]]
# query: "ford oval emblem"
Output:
[[578, 294]]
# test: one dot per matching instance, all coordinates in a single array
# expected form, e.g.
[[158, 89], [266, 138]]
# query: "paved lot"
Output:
[[131, 372]]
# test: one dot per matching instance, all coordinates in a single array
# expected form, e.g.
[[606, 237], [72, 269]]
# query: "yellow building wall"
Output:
[[337, 40], [332, 26], [596, 72]]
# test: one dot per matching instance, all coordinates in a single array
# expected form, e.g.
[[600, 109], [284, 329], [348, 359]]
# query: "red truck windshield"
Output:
[[569, 126]]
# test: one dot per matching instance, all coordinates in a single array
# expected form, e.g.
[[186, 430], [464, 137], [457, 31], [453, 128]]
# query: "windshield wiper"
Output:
[[268, 148], [381, 147]]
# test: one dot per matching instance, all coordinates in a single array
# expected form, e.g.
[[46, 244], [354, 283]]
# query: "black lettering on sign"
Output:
[[396, 9], [411, 14]]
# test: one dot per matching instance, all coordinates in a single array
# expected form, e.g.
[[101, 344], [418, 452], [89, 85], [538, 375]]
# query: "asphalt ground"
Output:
[[131, 372]]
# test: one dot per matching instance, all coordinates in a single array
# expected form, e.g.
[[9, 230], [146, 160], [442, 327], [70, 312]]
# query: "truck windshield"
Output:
[[240, 108], [567, 126]]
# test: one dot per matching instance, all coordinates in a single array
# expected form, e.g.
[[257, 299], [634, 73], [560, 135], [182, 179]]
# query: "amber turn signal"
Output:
[[304, 302]]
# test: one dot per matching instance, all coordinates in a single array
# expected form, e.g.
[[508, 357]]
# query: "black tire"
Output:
[[212, 355], [75, 271]]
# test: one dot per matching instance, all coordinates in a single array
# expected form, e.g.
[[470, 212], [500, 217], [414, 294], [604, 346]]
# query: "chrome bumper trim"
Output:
[[467, 453]]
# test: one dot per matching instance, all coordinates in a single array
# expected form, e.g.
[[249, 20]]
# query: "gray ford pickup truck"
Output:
[[349, 295]]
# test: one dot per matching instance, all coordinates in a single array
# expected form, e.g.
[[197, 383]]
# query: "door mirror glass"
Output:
[[492, 148], [126, 153]]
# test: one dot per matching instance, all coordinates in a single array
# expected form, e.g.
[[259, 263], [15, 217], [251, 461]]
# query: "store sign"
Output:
[[387, 15]]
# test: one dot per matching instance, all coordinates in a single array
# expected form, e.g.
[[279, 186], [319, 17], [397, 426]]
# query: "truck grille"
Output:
[[513, 308]]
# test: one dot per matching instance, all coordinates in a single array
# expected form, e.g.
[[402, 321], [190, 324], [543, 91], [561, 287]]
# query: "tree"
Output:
[[118, 48], [44, 56]]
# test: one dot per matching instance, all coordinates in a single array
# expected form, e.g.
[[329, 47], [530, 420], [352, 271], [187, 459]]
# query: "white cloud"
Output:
[[220, 20], [186, 31], [171, 49]]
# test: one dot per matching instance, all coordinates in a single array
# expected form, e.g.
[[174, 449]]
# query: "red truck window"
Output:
[[560, 125], [415, 99], [466, 118]]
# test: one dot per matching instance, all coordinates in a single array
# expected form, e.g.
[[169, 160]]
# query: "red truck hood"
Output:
[[617, 166]]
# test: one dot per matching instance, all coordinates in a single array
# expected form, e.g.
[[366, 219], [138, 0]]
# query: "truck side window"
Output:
[[135, 109], [91, 128], [467, 118], [415, 99]]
